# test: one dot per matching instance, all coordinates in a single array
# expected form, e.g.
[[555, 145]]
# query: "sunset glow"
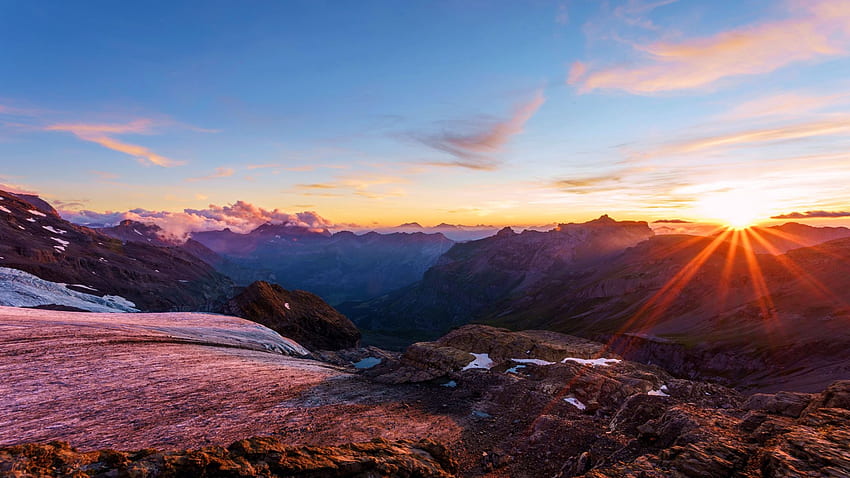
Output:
[[514, 114]]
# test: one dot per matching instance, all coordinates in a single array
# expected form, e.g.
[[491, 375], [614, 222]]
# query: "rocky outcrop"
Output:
[[300, 315], [519, 404], [253, 457]]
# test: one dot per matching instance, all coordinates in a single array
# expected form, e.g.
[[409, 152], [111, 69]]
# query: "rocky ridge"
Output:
[[300, 315], [153, 278]]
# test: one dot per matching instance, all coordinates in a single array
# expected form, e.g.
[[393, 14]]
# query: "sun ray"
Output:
[[816, 286]]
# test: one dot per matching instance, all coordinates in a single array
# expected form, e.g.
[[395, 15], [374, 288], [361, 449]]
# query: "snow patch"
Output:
[[576, 403], [22, 289], [449, 384], [286, 304], [5, 210], [60, 241], [480, 361], [602, 362], [36, 213], [54, 231], [30, 219], [657, 393], [137, 232], [81, 286], [533, 361]]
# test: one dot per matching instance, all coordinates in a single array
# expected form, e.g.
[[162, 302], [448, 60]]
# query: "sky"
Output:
[[376, 113]]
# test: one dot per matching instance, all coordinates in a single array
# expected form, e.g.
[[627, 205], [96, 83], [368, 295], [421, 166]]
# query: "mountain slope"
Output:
[[297, 314], [339, 267], [154, 278]]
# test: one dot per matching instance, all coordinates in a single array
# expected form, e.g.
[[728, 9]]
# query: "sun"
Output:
[[737, 209]]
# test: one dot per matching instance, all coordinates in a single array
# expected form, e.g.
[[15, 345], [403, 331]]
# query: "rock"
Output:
[[299, 315], [789, 404], [837, 395], [254, 457]]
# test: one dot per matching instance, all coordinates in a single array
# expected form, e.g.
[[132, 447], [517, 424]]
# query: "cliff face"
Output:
[[153, 278], [303, 316]]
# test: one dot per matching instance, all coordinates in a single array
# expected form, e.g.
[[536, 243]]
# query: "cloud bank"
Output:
[[812, 214], [241, 217]]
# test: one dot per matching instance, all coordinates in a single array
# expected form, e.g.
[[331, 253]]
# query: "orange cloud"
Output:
[[98, 133], [818, 30], [471, 149], [219, 173], [763, 135]]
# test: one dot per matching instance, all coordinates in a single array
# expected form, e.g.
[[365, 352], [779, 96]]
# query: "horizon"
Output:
[[510, 115]]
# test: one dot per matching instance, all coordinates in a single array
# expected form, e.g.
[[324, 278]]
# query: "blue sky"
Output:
[[465, 112]]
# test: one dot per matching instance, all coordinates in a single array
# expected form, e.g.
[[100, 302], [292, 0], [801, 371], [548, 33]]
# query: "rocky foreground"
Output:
[[480, 401]]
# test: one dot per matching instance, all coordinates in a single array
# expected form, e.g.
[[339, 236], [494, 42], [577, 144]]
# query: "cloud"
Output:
[[219, 173], [475, 148], [783, 105], [812, 214], [761, 135], [369, 186], [816, 30], [105, 175], [241, 217], [672, 221], [100, 134]]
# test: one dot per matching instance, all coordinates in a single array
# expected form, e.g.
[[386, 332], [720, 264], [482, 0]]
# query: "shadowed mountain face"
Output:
[[297, 314], [154, 278], [701, 307], [472, 277], [339, 267]]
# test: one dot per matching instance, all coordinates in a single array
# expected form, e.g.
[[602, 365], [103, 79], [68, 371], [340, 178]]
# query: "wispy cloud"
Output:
[[102, 135], [815, 30], [812, 214], [219, 173], [475, 149], [795, 131], [784, 105]]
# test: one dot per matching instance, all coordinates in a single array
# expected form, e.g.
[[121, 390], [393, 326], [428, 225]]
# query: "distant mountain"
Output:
[[457, 233], [134, 231], [34, 239], [338, 267], [472, 276]]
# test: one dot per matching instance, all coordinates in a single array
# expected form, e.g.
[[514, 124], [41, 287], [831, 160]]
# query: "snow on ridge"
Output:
[[22, 289], [576, 403], [36, 213], [54, 231], [602, 362], [480, 361], [5, 210], [60, 241]]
